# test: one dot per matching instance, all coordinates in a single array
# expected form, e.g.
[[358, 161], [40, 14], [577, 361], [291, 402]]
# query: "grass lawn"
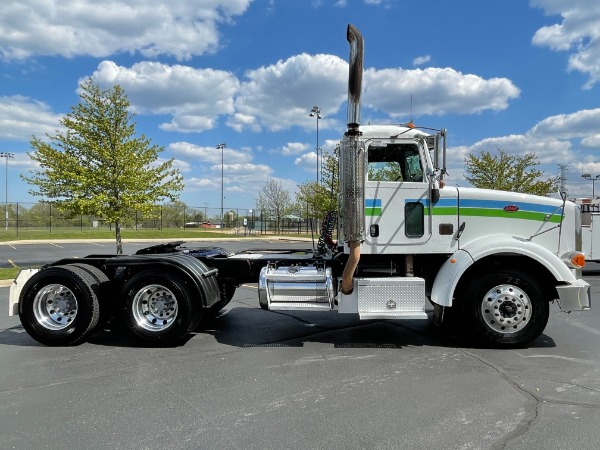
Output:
[[90, 233]]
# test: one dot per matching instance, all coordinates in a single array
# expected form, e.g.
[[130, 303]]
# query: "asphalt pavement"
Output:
[[259, 379]]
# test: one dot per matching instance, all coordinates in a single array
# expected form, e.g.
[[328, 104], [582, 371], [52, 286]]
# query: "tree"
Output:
[[274, 200], [508, 173], [323, 197], [97, 166]]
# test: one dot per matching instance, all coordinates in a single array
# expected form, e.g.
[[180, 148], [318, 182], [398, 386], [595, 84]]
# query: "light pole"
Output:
[[6, 155], [316, 112], [588, 176], [221, 146]]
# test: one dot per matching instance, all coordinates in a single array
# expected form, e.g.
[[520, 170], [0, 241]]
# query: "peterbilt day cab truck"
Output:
[[489, 262]]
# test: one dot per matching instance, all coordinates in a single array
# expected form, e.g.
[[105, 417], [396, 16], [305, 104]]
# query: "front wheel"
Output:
[[506, 308]]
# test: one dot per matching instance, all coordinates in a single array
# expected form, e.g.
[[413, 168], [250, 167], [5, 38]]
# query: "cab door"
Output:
[[396, 199]]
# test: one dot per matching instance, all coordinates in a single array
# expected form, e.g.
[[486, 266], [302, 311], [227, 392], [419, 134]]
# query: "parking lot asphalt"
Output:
[[281, 380]]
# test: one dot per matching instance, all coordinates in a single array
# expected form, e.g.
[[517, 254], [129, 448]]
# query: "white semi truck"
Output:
[[489, 262]]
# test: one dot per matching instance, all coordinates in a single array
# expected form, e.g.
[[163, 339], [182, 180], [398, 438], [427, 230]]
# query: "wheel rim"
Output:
[[154, 307], [55, 307], [506, 309]]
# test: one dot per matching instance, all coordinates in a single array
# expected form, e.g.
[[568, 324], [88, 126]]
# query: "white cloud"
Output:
[[194, 97], [578, 33], [237, 178], [21, 117], [591, 141], [547, 151], [183, 166], [245, 169], [308, 161], [435, 91], [281, 95], [419, 61], [180, 29], [580, 124], [209, 154], [294, 148]]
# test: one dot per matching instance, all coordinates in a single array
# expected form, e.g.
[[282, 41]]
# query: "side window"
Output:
[[397, 163], [414, 219]]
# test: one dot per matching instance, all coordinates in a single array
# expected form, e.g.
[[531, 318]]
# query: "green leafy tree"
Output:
[[322, 197], [97, 166], [508, 173]]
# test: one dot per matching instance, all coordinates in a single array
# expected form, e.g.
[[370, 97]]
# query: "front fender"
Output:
[[453, 268]]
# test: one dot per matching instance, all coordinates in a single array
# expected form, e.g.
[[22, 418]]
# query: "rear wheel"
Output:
[[158, 307], [59, 305], [506, 308]]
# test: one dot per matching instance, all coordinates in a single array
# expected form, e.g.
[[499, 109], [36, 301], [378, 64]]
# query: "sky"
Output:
[[516, 75]]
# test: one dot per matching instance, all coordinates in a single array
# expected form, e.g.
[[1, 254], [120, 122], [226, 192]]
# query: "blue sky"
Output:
[[516, 75]]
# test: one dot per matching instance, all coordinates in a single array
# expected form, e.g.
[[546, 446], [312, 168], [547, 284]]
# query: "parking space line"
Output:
[[12, 263], [56, 245]]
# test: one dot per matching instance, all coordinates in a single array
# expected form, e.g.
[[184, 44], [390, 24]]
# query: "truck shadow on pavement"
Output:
[[246, 327], [253, 327]]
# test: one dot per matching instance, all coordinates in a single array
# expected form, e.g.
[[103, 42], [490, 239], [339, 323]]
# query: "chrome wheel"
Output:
[[54, 307], [154, 307], [506, 309]]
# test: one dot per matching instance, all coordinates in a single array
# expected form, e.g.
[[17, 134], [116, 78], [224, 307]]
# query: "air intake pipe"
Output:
[[353, 172]]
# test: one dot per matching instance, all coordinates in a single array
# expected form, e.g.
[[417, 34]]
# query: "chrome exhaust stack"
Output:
[[352, 174]]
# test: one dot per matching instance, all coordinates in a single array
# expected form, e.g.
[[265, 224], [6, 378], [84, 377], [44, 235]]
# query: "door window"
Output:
[[395, 163]]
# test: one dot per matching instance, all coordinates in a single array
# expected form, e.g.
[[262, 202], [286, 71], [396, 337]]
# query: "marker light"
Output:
[[575, 260]]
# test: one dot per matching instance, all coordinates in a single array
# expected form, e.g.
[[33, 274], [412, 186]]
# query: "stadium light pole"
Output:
[[221, 147], [316, 112], [6, 156], [588, 176]]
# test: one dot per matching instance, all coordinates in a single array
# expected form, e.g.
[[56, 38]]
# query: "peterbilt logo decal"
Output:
[[511, 208]]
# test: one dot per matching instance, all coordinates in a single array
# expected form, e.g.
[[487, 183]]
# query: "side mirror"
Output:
[[435, 195]]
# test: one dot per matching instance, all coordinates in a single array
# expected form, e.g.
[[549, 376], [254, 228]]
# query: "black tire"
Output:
[[506, 308], [159, 308], [59, 305], [104, 291]]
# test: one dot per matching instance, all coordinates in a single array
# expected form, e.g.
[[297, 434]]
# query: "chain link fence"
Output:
[[46, 217]]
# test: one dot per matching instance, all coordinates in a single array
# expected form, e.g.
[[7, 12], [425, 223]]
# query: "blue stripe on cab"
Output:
[[372, 203]]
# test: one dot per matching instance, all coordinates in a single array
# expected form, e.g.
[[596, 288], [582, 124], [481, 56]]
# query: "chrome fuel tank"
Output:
[[296, 288]]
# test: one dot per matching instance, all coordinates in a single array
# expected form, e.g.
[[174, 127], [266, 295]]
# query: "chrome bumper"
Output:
[[574, 296]]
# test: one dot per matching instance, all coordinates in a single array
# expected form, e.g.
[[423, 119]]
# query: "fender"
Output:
[[454, 267]]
